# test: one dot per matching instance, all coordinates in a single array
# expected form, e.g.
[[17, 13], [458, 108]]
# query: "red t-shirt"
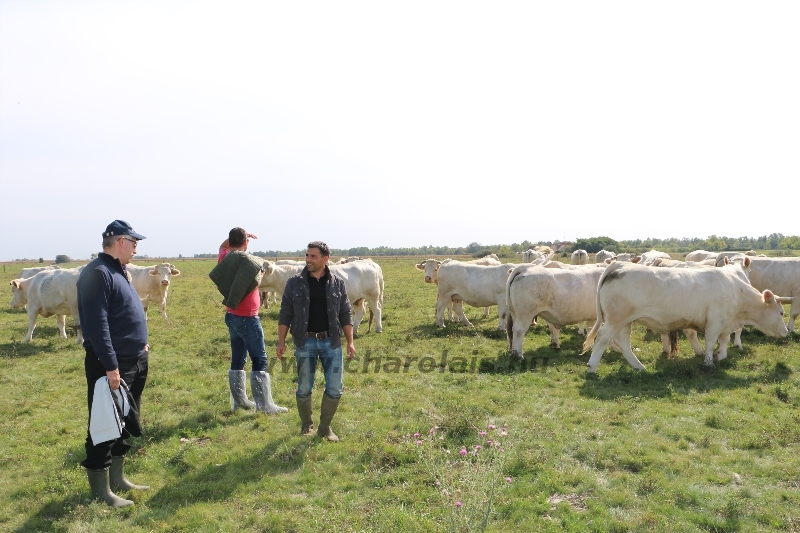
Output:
[[250, 304]]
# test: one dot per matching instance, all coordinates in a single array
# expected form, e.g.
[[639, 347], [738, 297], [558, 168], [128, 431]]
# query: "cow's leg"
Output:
[[723, 340], [794, 312], [555, 336], [737, 338], [665, 347], [441, 305], [582, 328], [605, 335], [696, 346], [61, 322], [521, 323], [458, 307], [623, 340], [77, 319], [359, 310], [31, 324], [713, 332], [164, 309], [486, 313], [377, 311], [501, 314]]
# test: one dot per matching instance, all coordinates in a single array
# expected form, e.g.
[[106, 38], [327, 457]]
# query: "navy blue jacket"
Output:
[[111, 315]]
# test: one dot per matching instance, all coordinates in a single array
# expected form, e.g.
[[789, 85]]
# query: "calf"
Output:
[[476, 285]]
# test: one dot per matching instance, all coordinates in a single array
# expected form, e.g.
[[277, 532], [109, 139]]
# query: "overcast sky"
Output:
[[405, 123]]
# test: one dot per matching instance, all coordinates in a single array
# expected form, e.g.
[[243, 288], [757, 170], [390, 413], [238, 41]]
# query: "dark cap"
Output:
[[120, 227]]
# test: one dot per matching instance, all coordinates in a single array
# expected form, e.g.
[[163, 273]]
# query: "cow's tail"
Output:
[[509, 307], [592, 333], [673, 343]]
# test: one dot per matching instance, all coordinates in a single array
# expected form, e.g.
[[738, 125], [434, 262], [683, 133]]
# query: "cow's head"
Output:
[[19, 293], [770, 317], [430, 266], [164, 273]]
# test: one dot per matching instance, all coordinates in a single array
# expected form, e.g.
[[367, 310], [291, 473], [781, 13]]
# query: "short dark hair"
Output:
[[236, 237], [321, 246]]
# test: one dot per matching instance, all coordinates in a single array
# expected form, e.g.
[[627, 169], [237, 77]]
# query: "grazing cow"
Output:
[[715, 300], [625, 258], [602, 255], [363, 280], [780, 275], [559, 296], [48, 293], [152, 282], [700, 255], [647, 258], [32, 271], [580, 257], [476, 285]]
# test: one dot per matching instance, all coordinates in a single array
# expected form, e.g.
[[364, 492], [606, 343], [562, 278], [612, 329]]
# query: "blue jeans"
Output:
[[247, 336], [331, 358]]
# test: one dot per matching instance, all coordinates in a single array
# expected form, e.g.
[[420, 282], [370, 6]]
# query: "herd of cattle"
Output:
[[717, 294]]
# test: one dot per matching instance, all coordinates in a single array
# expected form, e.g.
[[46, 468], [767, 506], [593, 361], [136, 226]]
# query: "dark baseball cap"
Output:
[[120, 227]]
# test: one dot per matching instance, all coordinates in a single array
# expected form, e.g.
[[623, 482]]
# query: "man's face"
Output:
[[126, 249], [315, 261]]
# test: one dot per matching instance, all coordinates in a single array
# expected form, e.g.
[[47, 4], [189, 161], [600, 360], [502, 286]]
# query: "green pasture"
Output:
[[440, 431]]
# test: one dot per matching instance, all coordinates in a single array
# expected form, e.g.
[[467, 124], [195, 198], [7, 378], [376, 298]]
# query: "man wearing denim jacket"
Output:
[[316, 311]]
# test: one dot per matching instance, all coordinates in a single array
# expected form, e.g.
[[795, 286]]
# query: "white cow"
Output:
[[431, 267], [363, 280], [715, 300], [152, 282], [580, 257], [602, 255], [268, 297], [700, 255], [647, 258], [530, 255], [625, 258], [780, 275], [559, 296], [476, 285], [48, 293], [32, 271]]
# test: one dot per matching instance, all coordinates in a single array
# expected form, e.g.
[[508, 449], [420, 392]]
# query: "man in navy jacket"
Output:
[[115, 339]]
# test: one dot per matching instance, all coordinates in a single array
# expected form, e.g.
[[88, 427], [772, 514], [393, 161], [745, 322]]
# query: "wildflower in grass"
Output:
[[488, 443], [416, 435], [491, 426], [504, 431], [463, 452], [419, 442], [508, 479], [483, 433], [477, 448], [459, 504], [432, 431]]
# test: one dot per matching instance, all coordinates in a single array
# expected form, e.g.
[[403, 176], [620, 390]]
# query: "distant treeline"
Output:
[[775, 241]]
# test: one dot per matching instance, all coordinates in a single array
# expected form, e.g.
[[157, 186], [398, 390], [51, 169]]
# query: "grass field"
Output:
[[440, 431]]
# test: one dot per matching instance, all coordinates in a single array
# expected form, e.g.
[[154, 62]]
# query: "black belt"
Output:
[[318, 336]]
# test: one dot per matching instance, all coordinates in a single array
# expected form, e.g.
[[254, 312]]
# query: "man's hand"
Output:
[[351, 350], [280, 349], [113, 378]]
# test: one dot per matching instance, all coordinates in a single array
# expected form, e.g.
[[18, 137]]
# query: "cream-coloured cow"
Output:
[[48, 293], [152, 283], [715, 300]]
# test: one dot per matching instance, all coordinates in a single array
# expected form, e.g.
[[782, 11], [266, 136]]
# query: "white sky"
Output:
[[395, 123]]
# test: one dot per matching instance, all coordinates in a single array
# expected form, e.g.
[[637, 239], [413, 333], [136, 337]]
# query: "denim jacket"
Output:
[[297, 300]]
